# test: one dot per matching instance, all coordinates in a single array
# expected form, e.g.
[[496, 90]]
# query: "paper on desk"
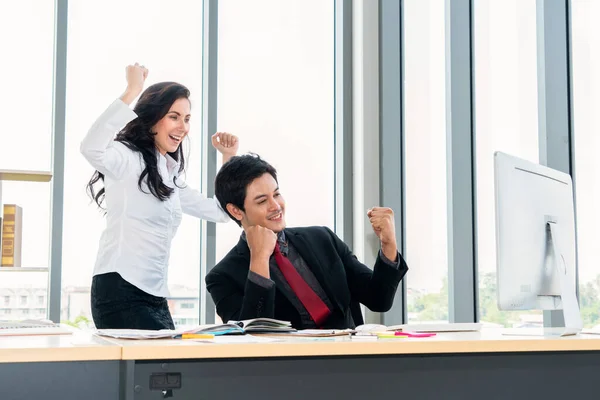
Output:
[[438, 327], [315, 333], [138, 333], [590, 331], [214, 329]]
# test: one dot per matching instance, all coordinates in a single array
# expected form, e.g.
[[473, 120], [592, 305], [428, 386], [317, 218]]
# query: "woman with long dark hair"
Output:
[[137, 181]]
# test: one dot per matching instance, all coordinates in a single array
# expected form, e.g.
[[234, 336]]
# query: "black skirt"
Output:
[[117, 304]]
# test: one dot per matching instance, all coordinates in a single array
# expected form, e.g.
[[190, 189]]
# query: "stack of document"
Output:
[[230, 328], [438, 327], [29, 327], [423, 327], [311, 333]]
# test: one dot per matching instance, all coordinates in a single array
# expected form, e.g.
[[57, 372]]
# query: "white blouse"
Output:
[[139, 227]]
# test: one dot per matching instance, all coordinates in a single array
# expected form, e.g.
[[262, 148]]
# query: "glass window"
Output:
[[26, 78], [425, 160], [506, 107], [586, 103], [27, 41], [166, 38], [276, 91]]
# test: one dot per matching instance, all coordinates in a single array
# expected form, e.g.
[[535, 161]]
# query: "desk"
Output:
[[482, 365], [78, 366]]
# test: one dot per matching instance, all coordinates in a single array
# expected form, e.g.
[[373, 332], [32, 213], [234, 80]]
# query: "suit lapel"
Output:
[[315, 265]]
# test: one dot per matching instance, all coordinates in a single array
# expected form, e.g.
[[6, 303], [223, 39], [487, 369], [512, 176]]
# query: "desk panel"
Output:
[[501, 376], [71, 380]]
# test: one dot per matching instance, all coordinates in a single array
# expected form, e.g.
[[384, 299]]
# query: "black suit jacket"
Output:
[[346, 281]]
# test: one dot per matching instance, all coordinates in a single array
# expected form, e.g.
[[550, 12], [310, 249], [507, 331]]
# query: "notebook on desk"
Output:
[[263, 325], [32, 327]]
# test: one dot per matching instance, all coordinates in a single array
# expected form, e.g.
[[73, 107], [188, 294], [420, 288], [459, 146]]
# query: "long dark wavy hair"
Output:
[[154, 103]]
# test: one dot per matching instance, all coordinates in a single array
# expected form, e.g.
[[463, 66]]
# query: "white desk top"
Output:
[[80, 346], [487, 341], [83, 346]]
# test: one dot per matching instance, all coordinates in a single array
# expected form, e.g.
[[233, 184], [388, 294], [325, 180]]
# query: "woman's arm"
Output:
[[98, 146], [195, 203], [198, 205]]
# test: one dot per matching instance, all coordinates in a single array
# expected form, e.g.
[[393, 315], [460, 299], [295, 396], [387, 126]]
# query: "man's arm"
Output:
[[375, 288], [256, 300], [383, 224]]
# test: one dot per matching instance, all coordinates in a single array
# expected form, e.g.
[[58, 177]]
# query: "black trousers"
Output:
[[117, 304]]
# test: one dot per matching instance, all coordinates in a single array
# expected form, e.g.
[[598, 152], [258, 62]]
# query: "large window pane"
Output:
[[506, 120], [103, 38], [425, 155], [276, 88], [586, 103], [26, 43]]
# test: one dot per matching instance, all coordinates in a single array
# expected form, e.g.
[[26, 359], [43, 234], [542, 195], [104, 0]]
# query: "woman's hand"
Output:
[[136, 76]]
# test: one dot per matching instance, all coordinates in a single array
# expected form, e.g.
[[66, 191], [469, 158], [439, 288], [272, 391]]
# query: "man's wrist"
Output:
[[260, 255], [390, 250], [259, 264]]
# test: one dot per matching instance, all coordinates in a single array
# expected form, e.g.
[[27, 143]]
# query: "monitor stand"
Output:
[[572, 316]]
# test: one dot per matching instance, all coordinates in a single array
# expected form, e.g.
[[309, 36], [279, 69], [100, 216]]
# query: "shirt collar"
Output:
[[168, 162], [280, 237]]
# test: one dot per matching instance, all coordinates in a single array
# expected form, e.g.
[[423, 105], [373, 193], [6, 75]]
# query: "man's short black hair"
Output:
[[235, 176]]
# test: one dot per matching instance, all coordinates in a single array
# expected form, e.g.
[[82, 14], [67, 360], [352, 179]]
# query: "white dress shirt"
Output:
[[139, 227]]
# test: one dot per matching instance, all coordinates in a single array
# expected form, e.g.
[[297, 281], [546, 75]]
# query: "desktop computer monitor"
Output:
[[535, 239]]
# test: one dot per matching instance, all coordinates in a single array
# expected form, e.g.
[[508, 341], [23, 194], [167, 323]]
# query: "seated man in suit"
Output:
[[307, 276]]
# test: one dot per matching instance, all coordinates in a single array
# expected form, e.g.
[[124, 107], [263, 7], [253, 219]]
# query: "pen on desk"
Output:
[[197, 336]]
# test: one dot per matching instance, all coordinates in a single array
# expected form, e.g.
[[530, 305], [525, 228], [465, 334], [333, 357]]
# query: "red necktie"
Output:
[[317, 309]]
